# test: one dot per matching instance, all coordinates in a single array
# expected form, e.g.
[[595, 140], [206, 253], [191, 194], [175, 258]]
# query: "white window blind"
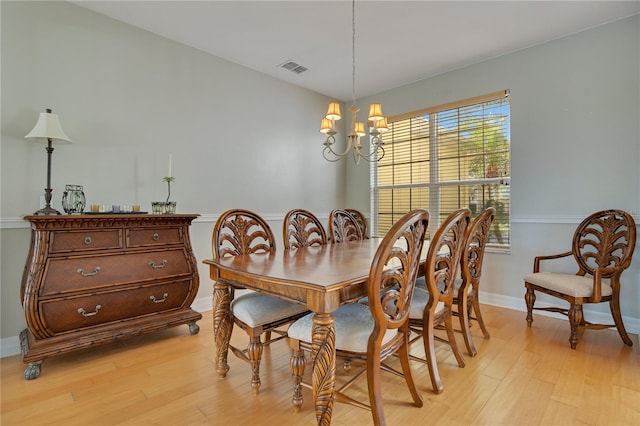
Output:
[[445, 158]]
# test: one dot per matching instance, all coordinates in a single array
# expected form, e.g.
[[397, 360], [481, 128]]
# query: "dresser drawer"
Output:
[[64, 241], [66, 275], [71, 314], [153, 237]]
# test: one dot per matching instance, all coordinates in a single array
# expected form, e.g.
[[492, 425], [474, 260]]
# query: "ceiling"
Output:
[[396, 42]]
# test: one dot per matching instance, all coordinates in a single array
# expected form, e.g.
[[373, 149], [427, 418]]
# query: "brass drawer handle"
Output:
[[89, 314], [156, 237], [88, 274], [88, 240], [164, 298], [162, 265]]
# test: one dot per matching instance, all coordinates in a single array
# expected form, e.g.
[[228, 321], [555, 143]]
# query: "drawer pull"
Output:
[[88, 274], [89, 314], [156, 237], [162, 265], [164, 298], [88, 240]]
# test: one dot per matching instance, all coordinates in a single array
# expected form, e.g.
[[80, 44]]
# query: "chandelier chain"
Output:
[[353, 51]]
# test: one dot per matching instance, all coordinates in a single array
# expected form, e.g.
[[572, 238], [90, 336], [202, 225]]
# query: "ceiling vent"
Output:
[[293, 67]]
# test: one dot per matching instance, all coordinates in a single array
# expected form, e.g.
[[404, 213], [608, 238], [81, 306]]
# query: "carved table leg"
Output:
[[222, 325], [324, 366]]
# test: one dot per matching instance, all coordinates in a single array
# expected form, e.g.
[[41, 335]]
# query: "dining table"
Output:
[[322, 278]]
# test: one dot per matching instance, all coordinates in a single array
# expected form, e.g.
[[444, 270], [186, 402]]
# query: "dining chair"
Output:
[[238, 232], [467, 288], [602, 248], [362, 221], [301, 228], [376, 331], [433, 307], [343, 227]]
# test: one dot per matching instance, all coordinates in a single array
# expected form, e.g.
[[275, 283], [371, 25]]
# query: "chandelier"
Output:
[[377, 123]]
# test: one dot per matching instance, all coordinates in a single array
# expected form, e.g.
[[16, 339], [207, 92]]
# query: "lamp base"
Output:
[[47, 211]]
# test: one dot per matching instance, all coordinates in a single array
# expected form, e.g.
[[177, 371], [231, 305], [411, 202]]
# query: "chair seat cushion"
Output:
[[354, 323], [419, 301], [256, 309], [571, 285]]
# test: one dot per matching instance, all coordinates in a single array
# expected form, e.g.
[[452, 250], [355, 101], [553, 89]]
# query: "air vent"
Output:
[[293, 67]]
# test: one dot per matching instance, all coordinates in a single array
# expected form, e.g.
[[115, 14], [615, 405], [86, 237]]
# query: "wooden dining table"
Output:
[[320, 277]]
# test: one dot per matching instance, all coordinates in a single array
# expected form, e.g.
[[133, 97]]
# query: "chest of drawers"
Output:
[[94, 279]]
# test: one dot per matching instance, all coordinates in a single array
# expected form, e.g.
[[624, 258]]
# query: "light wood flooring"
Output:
[[520, 376]]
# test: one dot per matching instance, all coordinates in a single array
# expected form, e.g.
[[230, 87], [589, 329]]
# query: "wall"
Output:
[[127, 99], [575, 147]]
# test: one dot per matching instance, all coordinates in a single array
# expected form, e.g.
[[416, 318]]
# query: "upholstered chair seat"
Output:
[[256, 309], [354, 324], [569, 284]]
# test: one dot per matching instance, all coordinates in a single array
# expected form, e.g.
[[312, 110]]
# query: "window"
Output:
[[445, 158]]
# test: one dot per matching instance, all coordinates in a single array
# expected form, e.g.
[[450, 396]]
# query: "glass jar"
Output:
[[73, 200]]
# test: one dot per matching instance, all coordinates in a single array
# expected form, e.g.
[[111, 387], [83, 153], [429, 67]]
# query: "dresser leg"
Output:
[[33, 370], [193, 328]]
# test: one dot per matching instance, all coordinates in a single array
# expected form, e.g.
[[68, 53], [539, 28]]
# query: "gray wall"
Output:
[[241, 139], [575, 146], [127, 99]]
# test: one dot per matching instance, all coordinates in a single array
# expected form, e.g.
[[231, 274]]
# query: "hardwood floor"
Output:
[[520, 376]]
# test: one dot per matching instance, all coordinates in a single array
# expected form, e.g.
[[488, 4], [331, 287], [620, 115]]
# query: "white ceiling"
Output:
[[397, 42]]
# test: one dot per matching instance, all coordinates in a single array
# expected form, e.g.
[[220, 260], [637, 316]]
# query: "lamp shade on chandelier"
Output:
[[377, 123]]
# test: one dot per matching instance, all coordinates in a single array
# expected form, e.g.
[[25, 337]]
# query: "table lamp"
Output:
[[48, 127]]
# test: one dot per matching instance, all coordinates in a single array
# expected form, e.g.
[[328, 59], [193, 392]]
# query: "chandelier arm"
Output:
[[327, 147]]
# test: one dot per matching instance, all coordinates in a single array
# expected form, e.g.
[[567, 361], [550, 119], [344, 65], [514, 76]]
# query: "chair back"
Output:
[[474, 246], [343, 226], [302, 228], [362, 221], [238, 232], [446, 248], [393, 273], [606, 239]]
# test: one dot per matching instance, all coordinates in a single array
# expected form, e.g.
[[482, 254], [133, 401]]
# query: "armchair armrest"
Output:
[[598, 273], [538, 259]]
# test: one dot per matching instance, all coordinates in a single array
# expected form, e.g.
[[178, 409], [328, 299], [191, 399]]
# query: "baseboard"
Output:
[[10, 346]]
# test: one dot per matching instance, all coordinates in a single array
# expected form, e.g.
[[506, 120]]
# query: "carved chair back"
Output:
[[343, 226], [605, 240], [393, 273], [238, 232], [302, 228], [362, 221]]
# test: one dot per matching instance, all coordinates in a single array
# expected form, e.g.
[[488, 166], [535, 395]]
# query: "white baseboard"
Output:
[[10, 346]]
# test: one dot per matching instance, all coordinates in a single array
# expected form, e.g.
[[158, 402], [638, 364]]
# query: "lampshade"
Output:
[[375, 112], [382, 125], [48, 127], [333, 113], [360, 129], [325, 125]]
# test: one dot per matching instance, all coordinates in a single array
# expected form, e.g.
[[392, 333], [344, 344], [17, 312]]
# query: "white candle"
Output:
[[170, 155]]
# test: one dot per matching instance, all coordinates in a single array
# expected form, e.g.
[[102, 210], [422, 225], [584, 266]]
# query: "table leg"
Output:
[[222, 325], [324, 366]]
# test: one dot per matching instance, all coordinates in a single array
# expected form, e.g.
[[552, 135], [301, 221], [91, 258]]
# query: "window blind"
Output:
[[445, 158]]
